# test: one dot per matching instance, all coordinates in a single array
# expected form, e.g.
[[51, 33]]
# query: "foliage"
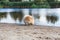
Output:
[[42, 4], [35, 4], [5, 0]]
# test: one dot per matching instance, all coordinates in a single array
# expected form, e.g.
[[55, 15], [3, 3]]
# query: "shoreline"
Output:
[[17, 32], [31, 25]]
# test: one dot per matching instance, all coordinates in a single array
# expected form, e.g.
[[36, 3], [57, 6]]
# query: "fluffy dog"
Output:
[[29, 20]]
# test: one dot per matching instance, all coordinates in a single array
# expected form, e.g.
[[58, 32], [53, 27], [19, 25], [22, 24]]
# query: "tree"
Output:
[[34, 6], [52, 3], [5, 0], [15, 0], [42, 3]]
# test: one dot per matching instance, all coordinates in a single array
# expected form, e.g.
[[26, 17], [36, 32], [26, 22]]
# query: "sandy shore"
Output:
[[17, 32]]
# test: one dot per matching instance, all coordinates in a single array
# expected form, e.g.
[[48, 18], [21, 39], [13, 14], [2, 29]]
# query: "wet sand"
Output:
[[21, 32]]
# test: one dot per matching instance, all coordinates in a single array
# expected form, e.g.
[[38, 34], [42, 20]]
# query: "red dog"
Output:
[[28, 20]]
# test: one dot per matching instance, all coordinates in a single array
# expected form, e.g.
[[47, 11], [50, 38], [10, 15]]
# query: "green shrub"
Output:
[[34, 6]]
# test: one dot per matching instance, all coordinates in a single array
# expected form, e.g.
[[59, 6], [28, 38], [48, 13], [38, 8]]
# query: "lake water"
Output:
[[50, 17]]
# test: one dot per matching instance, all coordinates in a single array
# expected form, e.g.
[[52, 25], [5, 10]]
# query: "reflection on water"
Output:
[[42, 16], [30, 12], [3, 15], [17, 15], [52, 18]]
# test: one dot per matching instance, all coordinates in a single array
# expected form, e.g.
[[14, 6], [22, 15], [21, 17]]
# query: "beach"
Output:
[[21, 32]]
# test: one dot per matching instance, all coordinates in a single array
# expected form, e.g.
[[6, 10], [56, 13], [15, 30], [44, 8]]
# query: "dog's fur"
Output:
[[29, 20]]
